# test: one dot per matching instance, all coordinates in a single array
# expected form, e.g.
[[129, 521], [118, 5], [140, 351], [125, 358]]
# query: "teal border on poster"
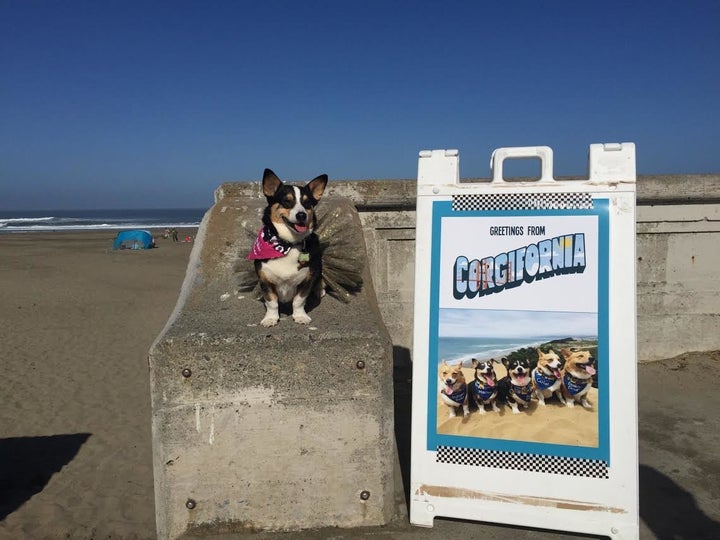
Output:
[[441, 209]]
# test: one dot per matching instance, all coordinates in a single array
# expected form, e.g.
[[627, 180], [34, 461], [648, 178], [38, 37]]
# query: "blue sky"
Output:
[[488, 323], [126, 104]]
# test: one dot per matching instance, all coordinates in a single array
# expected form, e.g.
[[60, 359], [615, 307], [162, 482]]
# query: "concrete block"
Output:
[[282, 428]]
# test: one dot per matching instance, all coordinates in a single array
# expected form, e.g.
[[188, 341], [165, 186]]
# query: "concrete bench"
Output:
[[281, 428]]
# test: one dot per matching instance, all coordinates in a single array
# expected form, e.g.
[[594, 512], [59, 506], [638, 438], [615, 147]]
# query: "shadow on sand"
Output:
[[402, 384], [28, 463], [671, 512]]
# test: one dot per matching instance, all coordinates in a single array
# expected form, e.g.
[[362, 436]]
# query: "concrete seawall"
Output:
[[291, 427], [281, 428], [678, 229]]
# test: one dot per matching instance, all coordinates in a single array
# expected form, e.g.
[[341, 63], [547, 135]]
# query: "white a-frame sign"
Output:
[[524, 372]]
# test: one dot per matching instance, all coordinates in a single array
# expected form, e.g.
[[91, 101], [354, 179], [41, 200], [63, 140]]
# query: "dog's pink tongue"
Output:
[[590, 370], [448, 390], [489, 380], [300, 228], [556, 373], [521, 379]]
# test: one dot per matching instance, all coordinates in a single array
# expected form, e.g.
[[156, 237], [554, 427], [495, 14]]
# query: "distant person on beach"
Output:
[[166, 234], [175, 235]]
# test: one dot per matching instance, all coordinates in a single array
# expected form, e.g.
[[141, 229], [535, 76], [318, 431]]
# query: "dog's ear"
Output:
[[539, 352], [317, 186], [565, 353], [270, 183], [474, 362], [505, 362]]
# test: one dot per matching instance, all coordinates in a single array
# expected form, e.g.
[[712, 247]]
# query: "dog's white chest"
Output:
[[285, 274]]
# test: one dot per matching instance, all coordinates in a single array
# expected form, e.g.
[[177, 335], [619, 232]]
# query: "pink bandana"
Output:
[[267, 246]]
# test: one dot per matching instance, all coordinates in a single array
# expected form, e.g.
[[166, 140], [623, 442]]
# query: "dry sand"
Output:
[[76, 323], [554, 423]]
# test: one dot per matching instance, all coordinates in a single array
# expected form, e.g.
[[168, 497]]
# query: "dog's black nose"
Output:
[[301, 217]]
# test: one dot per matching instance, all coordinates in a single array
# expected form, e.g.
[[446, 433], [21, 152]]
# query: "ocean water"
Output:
[[463, 349], [78, 220]]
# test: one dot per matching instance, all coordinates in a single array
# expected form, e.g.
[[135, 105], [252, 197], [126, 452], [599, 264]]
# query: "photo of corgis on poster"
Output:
[[529, 381]]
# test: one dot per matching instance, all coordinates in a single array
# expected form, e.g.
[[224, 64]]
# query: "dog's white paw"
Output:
[[301, 318], [587, 404], [267, 322], [570, 403]]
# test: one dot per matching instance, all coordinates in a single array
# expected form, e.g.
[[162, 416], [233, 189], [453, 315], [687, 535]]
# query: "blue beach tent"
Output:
[[137, 239]]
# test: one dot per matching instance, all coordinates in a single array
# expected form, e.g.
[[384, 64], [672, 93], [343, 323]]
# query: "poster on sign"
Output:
[[524, 349]]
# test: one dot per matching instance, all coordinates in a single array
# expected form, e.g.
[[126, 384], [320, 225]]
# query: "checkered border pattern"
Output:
[[522, 462], [523, 201]]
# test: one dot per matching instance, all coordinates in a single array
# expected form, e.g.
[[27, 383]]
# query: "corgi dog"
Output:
[[546, 378], [287, 250], [483, 390], [453, 388], [577, 377], [516, 388]]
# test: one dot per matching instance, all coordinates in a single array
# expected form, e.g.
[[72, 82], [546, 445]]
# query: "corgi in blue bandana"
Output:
[[483, 389], [516, 388], [577, 377], [453, 388], [546, 378]]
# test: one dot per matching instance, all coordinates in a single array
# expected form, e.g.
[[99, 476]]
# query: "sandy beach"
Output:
[[77, 321]]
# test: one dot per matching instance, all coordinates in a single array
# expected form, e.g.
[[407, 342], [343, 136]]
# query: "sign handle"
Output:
[[543, 153]]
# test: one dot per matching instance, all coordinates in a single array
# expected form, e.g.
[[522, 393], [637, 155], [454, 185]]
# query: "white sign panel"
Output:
[[524, 371]]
